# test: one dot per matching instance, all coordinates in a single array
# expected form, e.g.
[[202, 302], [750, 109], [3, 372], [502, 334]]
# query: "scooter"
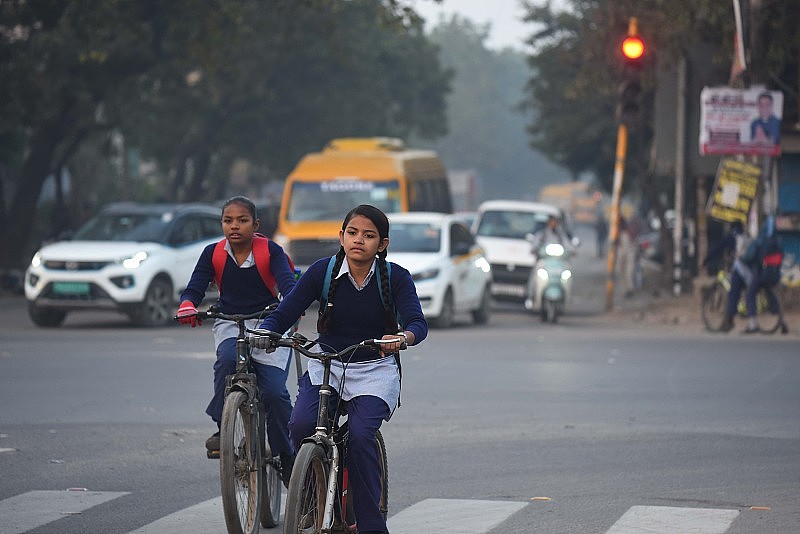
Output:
[[550, 282]]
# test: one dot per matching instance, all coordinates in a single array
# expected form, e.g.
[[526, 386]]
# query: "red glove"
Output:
[[187, 314]]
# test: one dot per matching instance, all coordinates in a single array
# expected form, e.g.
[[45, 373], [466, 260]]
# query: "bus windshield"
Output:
[[330, 200]]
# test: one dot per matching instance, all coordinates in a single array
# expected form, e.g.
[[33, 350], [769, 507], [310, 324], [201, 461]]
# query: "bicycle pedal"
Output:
[[213, 455]]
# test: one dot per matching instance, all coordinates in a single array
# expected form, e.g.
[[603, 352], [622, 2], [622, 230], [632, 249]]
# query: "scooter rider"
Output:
[[552, 232]]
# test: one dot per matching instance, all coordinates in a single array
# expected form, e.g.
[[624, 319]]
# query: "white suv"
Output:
[[132, 258]]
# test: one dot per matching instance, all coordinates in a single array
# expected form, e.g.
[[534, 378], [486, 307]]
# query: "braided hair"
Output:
[[381, 222]]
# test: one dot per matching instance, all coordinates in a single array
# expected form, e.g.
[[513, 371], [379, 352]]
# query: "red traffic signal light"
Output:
[[633, 47]]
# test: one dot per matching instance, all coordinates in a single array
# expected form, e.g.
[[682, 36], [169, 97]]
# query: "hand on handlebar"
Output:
[[187, 314], [264, 339], [391, 343]]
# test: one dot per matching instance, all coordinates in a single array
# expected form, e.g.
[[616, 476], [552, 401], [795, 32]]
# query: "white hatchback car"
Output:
[[449, 270], [132, 258]]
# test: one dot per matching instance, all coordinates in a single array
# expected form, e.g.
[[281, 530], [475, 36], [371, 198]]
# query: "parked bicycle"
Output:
[[714, 303], [318, 500], [250, 476]]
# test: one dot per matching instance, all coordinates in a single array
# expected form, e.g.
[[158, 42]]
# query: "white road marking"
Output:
[[33, 509], [671, 520], [451, 516], [206, 516]]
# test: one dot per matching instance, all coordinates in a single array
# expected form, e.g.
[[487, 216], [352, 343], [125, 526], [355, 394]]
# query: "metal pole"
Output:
[[680, 172], [619, 173]]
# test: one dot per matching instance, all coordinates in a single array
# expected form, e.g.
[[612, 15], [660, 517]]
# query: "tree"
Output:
[[195, 84]]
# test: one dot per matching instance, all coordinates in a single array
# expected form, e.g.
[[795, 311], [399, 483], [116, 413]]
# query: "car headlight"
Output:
[[133, 262], [36, 261], [483, 265], [427, 274], [542, 274]]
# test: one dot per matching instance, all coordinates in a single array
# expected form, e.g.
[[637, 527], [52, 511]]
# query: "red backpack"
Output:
[[261, 257]]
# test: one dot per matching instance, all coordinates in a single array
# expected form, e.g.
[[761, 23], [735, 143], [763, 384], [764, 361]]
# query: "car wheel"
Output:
[[156, 310], [46, 317], [445, 319], [481, 315]]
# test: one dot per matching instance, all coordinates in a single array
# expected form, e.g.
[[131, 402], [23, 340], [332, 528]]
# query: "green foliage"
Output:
[[195, 85]]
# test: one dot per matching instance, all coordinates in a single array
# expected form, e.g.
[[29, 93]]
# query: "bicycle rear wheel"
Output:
[[714, 305], [769, 310], [305, 501], [240, 464], [271, 479]]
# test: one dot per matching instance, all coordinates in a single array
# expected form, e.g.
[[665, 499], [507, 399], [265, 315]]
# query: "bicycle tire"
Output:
[[271, 479], [239, 451], [713, 307], [769, 321], [305, 500]]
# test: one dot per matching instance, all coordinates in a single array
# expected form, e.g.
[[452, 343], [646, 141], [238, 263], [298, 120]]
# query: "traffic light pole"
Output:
[[616, 192]]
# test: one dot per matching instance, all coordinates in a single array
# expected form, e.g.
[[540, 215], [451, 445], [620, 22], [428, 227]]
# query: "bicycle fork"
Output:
[[330, 497]]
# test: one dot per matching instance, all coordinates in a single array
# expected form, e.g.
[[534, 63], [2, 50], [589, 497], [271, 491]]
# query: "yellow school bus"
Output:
[[325, 185]]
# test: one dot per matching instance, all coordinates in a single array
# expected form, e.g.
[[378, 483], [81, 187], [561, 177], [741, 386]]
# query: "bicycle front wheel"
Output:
[[240, 464], [714, 306], [305, 501], [271, 489], [770, 313]]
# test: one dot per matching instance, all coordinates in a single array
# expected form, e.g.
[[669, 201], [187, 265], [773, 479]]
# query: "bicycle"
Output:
[[714, 305], [317, 500], [250, 476]]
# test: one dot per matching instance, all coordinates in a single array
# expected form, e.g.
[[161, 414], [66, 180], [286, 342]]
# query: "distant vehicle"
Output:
[[132, 258], [502, 228], [449, 269], [325, 185]]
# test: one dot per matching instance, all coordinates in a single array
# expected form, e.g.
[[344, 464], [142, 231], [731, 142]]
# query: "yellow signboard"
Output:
[[735, 188]]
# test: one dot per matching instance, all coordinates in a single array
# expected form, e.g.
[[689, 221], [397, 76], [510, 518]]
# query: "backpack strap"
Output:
[[218, 259], [326, 284], [260, 255]]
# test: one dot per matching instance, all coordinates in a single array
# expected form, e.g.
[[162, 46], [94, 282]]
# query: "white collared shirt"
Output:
[[345, 269]]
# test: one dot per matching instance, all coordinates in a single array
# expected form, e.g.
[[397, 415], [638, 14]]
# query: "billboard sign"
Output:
[[740, 121], [734, 190]]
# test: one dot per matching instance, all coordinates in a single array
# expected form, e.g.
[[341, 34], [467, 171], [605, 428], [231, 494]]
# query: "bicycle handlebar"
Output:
[[266, 339], [213, 313]]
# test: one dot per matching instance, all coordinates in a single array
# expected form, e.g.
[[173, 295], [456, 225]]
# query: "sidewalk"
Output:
[[654, 305]]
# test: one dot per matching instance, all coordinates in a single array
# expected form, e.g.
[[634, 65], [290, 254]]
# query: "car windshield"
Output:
[[414, 237], [332, 199], [125, 227], [511, 224]]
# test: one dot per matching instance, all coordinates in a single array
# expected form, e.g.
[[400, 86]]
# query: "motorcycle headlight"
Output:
[[542, 274], [427, 274], [554, 249], [133, 262], [566, 275]]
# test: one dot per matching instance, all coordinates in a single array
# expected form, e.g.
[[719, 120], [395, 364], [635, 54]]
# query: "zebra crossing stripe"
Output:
[[33, 509], [673, 520], [206, 516], [452, 516]]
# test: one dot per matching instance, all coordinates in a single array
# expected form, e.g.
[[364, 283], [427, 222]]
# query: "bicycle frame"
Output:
[[327, 427]]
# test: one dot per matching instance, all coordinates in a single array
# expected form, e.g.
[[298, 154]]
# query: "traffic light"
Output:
[[630, 88]]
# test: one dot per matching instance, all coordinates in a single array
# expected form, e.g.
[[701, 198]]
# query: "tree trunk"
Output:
[[15, 232]]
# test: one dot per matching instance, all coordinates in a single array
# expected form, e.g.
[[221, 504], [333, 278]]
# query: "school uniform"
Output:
[[245, 292], [372, 383]]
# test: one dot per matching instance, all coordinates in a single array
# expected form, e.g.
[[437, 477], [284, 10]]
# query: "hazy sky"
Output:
[[505, 17]]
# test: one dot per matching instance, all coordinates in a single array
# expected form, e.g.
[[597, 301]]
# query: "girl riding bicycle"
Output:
[[364, 299], [243, 289]]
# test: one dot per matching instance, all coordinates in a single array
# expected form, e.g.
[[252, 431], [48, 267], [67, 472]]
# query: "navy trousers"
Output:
[[738, 283], [271, 386], [364, 415]]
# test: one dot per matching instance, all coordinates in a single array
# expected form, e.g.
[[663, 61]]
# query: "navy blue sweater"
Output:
[[357, 315], [244, 289]]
